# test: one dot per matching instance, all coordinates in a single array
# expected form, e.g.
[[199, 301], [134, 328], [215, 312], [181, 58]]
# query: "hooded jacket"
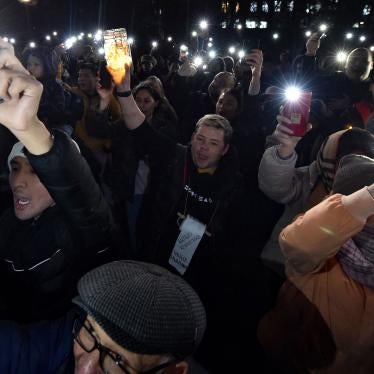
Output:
[[42, 258]]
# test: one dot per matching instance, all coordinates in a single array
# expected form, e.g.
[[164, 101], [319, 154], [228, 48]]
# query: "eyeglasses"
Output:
[[110, 362]]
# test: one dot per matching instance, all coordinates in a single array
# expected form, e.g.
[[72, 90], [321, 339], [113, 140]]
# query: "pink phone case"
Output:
[[298, 113]]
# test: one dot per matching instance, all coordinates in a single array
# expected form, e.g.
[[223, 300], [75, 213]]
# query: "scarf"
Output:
[[326, 159], [357, 257]]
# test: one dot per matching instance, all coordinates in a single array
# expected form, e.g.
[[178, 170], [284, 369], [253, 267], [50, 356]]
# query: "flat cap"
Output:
[[143, 308]]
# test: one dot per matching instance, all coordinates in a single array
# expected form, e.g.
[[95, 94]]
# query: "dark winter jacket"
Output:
[[42, 258], [45, 347], [223, 214]]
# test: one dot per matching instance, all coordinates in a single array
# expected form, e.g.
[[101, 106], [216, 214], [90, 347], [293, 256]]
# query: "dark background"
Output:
[[157, 19]]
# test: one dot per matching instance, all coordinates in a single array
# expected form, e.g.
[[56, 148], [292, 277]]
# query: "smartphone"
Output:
[[298, 112]]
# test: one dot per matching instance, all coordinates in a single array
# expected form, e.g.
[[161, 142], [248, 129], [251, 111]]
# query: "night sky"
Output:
[[87, 15]]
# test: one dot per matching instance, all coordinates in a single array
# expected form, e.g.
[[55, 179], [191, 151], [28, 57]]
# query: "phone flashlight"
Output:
[[297, 108]]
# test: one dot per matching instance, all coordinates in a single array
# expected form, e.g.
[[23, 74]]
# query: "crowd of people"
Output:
[[177, 210]]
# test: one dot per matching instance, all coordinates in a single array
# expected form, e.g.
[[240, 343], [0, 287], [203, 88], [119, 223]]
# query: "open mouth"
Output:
[[21, 203]]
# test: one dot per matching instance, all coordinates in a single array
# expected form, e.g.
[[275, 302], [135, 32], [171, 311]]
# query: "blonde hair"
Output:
[[218, 122]]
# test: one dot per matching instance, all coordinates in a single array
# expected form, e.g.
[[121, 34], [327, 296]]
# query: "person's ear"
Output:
[[179, 368], [225, 150], [192, 136]]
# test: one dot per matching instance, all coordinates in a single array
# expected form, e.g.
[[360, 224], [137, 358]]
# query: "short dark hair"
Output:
[[89, 66], [148, 87], [355, 141], [237, 94]]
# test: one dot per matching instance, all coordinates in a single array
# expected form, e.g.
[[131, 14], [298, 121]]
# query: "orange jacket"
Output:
[[324, 320]]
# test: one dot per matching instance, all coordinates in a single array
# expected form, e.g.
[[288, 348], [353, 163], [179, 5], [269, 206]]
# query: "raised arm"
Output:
[[277, 177], [255, 59], [316, 236], [56, 160], [132, 115]]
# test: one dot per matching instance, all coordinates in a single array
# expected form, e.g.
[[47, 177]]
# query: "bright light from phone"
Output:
[[54, 33], [32, 45], [170, 39], [198, 61], [48, 38], [348, 35], [131, 40], [239, 26], [241, 54], [13, 41], [194, 34], [341, 56], [210, 39], [98, 35], [204, 67], [372, 48], [69, 43], [210, 45], [89, 35], [203, 24], [362, 38], [293, 93], [232, 50], [323, 27], [101, 51], [212, 54], [6, 39], [308, 33], [275, 36], [184, 48], [154, 44]]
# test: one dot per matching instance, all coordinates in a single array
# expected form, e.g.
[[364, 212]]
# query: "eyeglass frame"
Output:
[[79, 323]]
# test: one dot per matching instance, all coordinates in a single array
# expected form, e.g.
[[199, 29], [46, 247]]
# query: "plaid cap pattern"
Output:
[[143, 308]]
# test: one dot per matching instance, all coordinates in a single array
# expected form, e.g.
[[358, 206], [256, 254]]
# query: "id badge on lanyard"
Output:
[[191, 233]]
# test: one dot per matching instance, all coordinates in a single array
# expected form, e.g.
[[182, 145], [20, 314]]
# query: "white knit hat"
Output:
[[17, 150]]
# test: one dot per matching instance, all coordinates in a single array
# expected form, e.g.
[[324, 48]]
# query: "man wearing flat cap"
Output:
[[132, 318]]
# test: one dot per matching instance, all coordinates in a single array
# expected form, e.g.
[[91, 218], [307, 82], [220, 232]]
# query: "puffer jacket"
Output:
[[42, 258]]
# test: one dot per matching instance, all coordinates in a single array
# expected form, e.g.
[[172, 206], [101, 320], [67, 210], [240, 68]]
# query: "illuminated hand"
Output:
[[312, 44], [121, 77], [20, 91], [21, 94], [284, 135]]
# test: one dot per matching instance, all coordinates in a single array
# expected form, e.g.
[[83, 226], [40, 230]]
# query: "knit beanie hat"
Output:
[[143, 308], [17, 151], [354, 172]]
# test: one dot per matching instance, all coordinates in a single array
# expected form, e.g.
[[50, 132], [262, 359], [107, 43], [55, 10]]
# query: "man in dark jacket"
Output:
[[195, 224], [132, 318], [60, 225]]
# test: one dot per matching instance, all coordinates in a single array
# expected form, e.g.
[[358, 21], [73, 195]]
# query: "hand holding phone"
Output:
[[296, 109]]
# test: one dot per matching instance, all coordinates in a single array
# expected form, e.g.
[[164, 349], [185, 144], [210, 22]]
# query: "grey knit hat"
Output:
[[143, 308], [354, 172]]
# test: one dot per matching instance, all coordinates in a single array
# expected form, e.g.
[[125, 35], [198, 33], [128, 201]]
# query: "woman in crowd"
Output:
[[157, 110], [42, 63]]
